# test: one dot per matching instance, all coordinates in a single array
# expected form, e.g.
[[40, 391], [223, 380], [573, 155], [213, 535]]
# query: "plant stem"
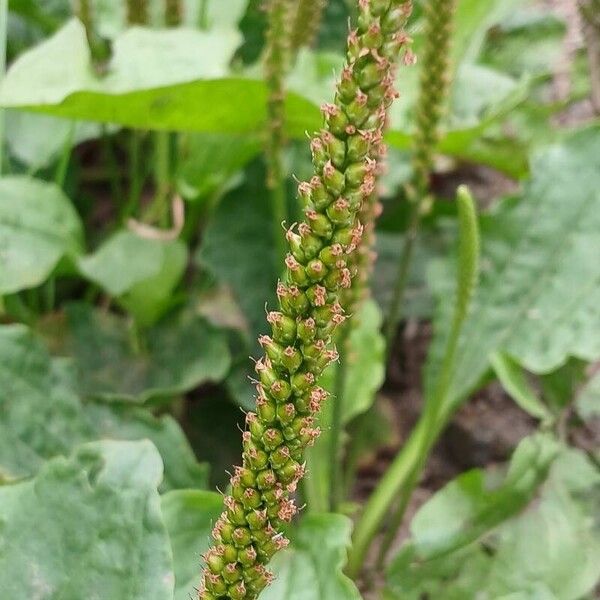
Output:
[[404, 472], [136, 178], [277, 57], [173, 13], [203, 15], [3, 42], [435, 82], [306, 23], [63, 164], [335, 435], [159, 209], [590, 16], [137, 12]]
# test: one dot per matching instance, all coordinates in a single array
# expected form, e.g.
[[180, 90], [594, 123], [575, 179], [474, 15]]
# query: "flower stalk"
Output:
[[319, 268], [277, 60], [306, 23], [137, 12], [435, 84], [173, 13]]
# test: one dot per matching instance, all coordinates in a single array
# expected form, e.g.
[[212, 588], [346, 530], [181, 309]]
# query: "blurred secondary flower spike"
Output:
[[319, 268], [306, 22]]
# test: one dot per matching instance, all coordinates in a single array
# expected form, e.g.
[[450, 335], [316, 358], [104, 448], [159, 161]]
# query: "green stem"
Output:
[[433, 92], [306, 23], [408, 464], [63, 164], [159, 209], [335, 435], [203, 15], [136, 178], [276, 66], [3, 40], [137, 12]]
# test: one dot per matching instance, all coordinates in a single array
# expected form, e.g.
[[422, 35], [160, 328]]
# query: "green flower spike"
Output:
[[320, 266], [306, 23]]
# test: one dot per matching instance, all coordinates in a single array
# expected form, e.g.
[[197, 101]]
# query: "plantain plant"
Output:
[[318, 269]]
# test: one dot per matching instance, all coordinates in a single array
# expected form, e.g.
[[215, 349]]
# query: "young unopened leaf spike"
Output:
[[319, 267]]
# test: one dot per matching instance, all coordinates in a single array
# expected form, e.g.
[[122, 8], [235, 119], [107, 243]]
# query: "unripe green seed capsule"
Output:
[[288, 472], [330, 255], [247, 477], [358, 113], [355, 199], [323, 316], [206, 595], [376, 96], [316, 270], [279, 457], [217, 586], [291, 359], [236, 514], [257, 520], [251, 499], [298, 275], [230, 553], [256, 429], [358, 147], [271, 497], [237, 591], [242, 537], [237, 491], [266, 410], [393, 20], [227, 532], [266, 479], [364, 20], [333, 179], [284, 329], [321, 198], [267, 375], [337, 123], [321, 225], [379, 7], [272, 438], [337, 151], [247, 556], [301, 381], [355, 173], [311, 245], [340, 213], [232, 573], [343, 236], [258, 459], [347, 90], [286, 413], [295, 242], [280, 390], [215, 563], [307, 330]]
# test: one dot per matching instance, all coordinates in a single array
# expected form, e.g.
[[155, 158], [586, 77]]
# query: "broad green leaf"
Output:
[[38, 140], [364, 376], [41, 416], [189, 516], [540, 285], [311, 569], [179, 93], [471, 505], [89, 526], [115, 362], [528, 41], [169, 79], [239, 251], [210, 161], [588, 400], [140, 272], [550, 551], [38, 227], [514, 380]]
